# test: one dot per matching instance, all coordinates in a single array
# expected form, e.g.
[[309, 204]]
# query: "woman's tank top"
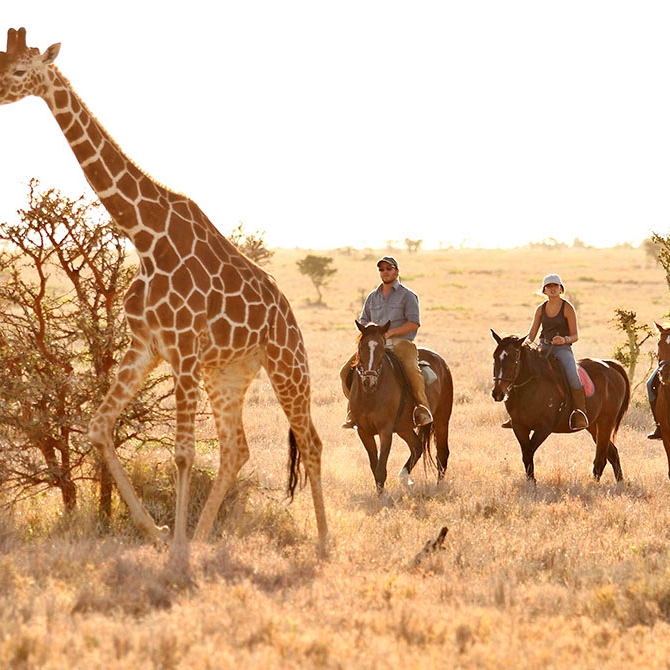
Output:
[[554, 325]]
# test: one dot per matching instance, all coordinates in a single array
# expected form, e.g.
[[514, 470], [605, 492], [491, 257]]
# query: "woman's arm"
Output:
[[535, 325]]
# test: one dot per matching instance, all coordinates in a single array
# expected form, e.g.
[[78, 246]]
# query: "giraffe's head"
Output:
[[22, 69]]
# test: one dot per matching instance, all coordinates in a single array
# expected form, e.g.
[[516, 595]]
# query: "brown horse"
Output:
[[536, 400], [662, 412], [381, 403]]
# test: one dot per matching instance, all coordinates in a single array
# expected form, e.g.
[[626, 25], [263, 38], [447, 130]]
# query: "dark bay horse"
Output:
[[536, 401], [662, 413], [381, 403]]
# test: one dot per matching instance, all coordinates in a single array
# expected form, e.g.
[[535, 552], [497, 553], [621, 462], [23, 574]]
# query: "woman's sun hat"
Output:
[[552, 279]]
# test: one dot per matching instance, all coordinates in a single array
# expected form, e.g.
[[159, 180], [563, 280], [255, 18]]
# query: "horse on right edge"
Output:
[[662, 408]]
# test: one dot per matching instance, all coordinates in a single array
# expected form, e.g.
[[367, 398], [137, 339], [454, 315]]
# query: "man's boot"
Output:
[[578, 418], [422, 416], [348, 422], [656, 433]]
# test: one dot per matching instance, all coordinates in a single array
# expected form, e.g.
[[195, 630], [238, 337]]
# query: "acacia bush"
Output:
[[64, 271]]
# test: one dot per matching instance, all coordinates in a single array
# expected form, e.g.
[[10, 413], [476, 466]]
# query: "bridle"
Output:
[[370, 375], [663, 376], [514, 365]]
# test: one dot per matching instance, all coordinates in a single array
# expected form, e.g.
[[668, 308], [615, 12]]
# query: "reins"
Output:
[[399, 374]]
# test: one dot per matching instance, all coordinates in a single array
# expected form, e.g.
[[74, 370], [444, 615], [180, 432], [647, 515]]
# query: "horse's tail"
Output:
[[293, 465], [626, 397], [425, 433]]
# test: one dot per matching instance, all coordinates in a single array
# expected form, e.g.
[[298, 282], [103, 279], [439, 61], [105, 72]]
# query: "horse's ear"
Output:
[[660, 328], [359, 325], [386, 326], [496, 337]]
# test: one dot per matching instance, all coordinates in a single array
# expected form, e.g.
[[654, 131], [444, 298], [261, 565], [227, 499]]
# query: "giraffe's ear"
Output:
[[50, 54]]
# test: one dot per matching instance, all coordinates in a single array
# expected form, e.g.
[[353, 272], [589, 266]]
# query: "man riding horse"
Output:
[[394, 302]]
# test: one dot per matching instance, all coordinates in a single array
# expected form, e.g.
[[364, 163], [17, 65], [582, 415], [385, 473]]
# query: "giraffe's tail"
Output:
[[293, 465]]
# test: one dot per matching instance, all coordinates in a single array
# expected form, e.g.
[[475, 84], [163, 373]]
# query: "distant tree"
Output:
[[63, 275], [547, 243], [251, 244], [413, 245], [316, 268]]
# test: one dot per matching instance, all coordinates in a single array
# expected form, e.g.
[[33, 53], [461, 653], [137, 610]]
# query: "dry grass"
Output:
[[568, 574]]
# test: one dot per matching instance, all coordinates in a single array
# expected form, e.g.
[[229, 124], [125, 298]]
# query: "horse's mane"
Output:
[[536, 360]]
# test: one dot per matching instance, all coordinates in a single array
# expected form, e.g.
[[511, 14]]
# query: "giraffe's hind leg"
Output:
[[226, 393], [294, 397]]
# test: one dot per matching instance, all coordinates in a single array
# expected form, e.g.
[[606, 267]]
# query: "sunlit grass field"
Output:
[[568, 574]]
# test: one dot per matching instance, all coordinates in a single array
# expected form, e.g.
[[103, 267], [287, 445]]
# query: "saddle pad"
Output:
[[587, 382], [428, 373]]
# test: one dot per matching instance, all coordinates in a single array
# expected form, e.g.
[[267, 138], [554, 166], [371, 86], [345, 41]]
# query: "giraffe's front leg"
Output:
[[136, 364], [186, 396]]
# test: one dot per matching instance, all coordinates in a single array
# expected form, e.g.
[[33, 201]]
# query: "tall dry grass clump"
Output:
[[568, 573]]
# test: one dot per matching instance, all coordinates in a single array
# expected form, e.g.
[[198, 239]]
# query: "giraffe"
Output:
[[196, 302]]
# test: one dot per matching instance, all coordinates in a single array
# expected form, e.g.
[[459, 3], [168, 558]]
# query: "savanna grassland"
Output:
[[568, 574]]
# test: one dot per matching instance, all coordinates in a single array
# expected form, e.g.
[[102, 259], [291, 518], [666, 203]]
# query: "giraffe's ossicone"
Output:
[[197, 303]]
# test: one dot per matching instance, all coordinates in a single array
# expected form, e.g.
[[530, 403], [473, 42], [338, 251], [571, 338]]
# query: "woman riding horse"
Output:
[[559, 332]]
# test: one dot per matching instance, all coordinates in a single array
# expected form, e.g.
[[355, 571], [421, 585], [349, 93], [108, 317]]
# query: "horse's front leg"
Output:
[[529, 444], [370, 444], [385, 439], [665, 432]]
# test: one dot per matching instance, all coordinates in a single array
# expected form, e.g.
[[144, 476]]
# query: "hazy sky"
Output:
[[325, 124]]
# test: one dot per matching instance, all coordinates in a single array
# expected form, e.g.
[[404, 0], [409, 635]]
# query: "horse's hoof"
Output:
[[404, 478]]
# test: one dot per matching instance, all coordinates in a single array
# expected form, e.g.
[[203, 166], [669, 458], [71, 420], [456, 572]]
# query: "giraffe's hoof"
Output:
[[161, 534]]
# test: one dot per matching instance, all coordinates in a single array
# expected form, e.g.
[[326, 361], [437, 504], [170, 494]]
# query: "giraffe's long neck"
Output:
[[121, 186]]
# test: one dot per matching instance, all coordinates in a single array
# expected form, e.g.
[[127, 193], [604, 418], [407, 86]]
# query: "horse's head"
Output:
[[663, 354], [371, 344], [506, 364]]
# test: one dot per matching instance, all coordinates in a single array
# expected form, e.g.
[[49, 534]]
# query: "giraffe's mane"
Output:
[[110, 138]]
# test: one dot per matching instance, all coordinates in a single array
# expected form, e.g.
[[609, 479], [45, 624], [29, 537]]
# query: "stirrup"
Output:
[[422, 416], [575, 414]]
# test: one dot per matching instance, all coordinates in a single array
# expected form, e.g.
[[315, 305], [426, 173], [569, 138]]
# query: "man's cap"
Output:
[[388, 259]]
